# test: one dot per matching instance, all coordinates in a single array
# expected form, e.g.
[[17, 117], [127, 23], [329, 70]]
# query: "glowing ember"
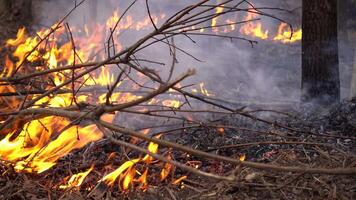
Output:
[[242, 157], [221, 130]]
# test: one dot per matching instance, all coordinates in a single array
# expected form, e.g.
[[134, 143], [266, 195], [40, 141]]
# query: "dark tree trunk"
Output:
[[320, 63]]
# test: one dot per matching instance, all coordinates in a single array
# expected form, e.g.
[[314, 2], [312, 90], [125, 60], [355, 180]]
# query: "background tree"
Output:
[[320, 63]]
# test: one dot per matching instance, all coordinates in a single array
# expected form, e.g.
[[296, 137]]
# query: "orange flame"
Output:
[[143, 181], [179, 180], [20, 38], [166, 169], [242, 157]]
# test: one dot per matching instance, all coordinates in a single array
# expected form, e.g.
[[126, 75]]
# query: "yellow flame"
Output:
[[128, 178], [253, 29], [214, 21], [171, 103], [110, 178], [153, 148], [127, 169], [285, 35], [203, 90], [76, 180]]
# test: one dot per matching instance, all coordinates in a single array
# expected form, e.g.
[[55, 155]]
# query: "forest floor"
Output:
[[328, 141]]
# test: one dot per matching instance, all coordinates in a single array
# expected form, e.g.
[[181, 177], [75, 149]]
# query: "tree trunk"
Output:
[[320, 63], [351, 36]]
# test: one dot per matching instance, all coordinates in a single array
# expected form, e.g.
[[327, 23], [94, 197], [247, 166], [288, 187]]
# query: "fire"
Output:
[[203, 90], [105, 78], [33, 150], [129, 176], [76, 180], [166, 169], [126, 172], [153, 148], [143, 180], [179, 180], [242, 157], [221, 130], [111, 177], [253, 29], [120, 97], [20, 37], [218, 10], [285, 35], [231, 26], [171, 103]]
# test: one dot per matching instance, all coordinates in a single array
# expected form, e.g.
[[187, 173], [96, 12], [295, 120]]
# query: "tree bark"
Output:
[[320, 63]]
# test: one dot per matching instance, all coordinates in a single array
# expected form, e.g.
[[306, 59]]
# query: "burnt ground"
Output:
[[328, 140]]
